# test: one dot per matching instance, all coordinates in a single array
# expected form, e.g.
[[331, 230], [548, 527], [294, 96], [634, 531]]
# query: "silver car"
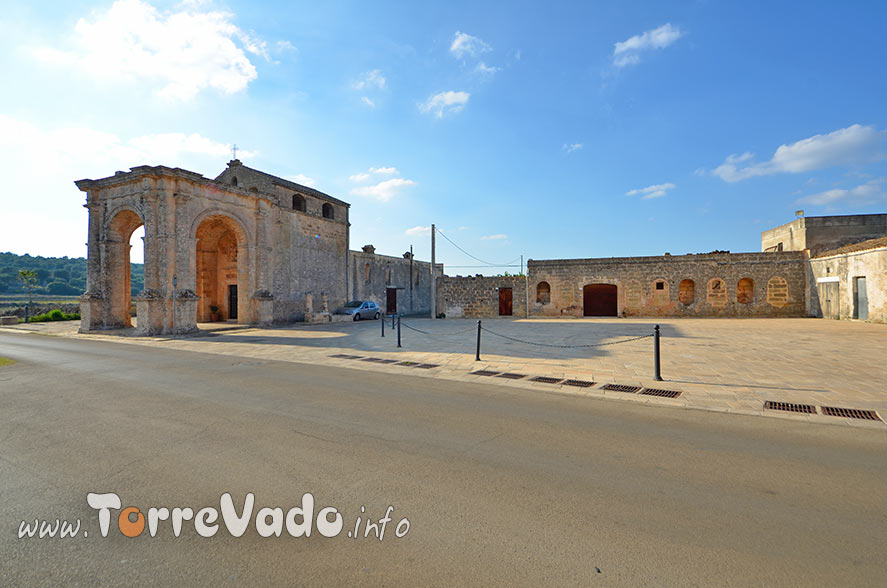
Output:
[[361, 309]]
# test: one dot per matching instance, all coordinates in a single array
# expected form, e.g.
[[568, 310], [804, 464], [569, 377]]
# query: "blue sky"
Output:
[[549, 130]]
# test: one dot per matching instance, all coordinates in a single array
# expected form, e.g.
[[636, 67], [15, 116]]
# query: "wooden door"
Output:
[[391, 301], [861, 300], [504, 301], [829, 296], [599, 300]]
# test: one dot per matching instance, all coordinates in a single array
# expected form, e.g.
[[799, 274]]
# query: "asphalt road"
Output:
[[500, 486]]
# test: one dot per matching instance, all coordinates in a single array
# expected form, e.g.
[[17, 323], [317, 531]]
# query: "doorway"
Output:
[[504, 301], [391, 301], [599, 300], [232, 301], [860, 299]]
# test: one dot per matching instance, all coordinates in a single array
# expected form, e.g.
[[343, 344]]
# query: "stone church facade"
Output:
[[245, 246]]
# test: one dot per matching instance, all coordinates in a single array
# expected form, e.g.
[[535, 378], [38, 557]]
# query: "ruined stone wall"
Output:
[[730, 285], [835, 281], [478, 297], [372, 274]]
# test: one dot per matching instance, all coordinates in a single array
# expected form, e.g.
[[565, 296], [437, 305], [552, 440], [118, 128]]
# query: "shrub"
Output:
[[55, 315]]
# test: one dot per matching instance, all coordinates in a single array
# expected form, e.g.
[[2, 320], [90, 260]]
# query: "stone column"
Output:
[[92, 301]]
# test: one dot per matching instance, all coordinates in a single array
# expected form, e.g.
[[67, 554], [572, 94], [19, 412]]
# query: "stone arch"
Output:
[[122, 223], [328, 211], [222, 267], [298, 202], [716, 293], [543, 293], [777, 292], [745, 291], [687, 292]]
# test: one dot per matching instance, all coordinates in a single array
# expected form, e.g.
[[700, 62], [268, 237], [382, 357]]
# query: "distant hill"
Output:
[[61, 276]]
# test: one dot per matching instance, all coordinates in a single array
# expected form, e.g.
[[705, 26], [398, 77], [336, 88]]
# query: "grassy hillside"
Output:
[[56, 276]]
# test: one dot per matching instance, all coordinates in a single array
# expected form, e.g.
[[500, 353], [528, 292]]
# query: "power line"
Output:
[[488, 264]]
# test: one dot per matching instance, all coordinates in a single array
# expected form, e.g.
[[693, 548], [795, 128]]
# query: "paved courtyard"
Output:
[[728, 365]]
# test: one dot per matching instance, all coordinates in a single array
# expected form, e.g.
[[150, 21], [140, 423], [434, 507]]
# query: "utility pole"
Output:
[[526, 284], [433, 285], [411, 279]]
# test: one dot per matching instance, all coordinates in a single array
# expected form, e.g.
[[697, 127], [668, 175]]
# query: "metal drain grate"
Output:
[[660, 392], [851, 413], [345, 356], [373, 359], [511, 376], [387, 361], [485, 373], [578, 383], [546, 380], [620, 388], [409, 363], [427, 366], [790, 407]]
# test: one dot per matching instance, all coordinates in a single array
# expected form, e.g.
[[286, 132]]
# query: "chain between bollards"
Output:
[[398, 330], [477, 355], [656, 373]]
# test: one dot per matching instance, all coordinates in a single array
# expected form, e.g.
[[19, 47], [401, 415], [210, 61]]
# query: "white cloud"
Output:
[[372, 80], [486, 70], [629, 52], [445, 103], [367, 101], [654, 191], [418, 230], [853, 145], [364, 176], [464, 44], [872, 191], [183, 51], [494, 237], [385, 190], [77, 152], [571, 147], [301, 179], [387, 171]]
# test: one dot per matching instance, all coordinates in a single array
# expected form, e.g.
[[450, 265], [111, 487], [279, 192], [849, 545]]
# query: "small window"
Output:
[[234, 181], [543, 293], [366, 271], [779, 247], [327, 210], [660, 285], [298, 203]]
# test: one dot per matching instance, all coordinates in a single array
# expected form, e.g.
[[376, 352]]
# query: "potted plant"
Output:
[[214, 314]]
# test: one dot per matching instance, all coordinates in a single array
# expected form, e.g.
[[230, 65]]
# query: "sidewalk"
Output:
[[725, 365]]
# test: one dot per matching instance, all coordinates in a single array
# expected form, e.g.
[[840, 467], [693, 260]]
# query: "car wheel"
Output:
[[357, 316], [377, 316]]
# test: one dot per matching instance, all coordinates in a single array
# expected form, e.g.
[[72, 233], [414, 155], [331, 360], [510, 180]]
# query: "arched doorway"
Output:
[[220, 270], [121, 232], [599, 300]]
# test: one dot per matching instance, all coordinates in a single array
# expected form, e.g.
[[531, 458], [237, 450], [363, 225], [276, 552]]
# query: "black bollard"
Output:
[[393, 314], [398, 331], [383, 325], [656, 375], [477, 356]]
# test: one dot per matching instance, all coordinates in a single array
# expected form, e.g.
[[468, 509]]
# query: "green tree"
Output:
[[28, 279]]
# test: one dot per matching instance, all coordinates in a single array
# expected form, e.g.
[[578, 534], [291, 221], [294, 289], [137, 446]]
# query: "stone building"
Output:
[[851, 282], [781, 281], [399, 285], [824, 233], [245, 246]]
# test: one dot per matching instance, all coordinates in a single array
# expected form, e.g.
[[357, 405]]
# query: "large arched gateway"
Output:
[[231, 248], [599, 300]]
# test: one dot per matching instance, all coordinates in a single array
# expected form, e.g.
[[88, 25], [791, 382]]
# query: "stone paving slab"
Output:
[[725, 365]]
